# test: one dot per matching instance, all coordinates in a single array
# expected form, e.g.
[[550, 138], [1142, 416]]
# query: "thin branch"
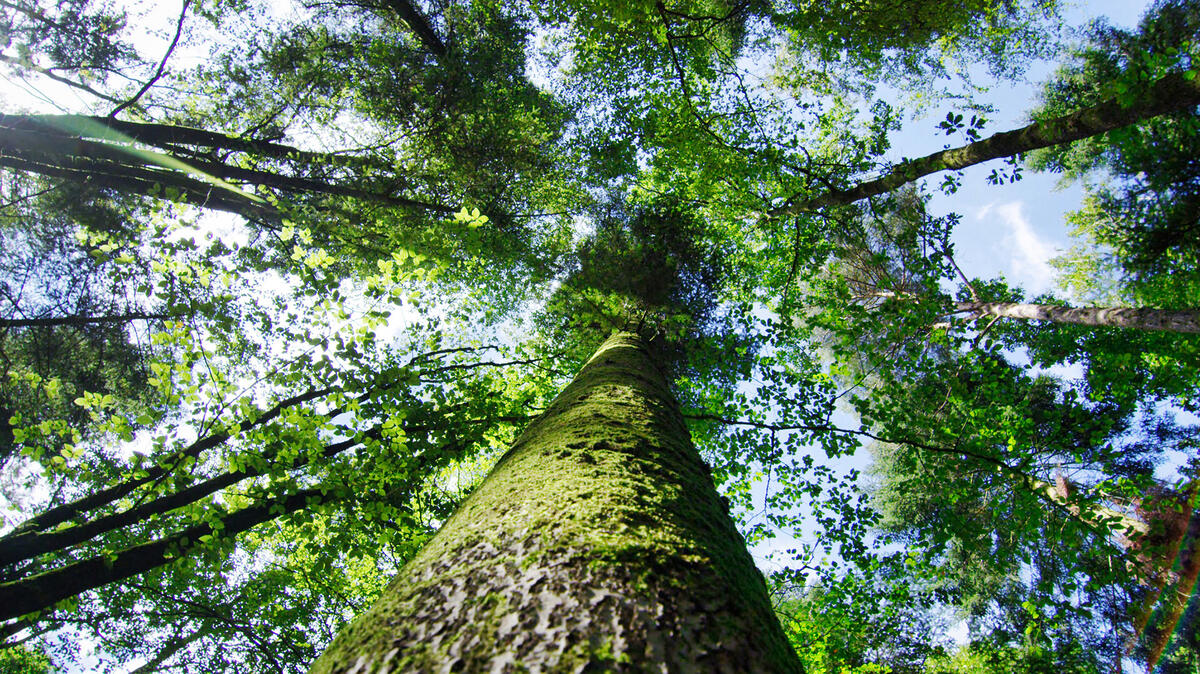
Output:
[[161, 66], [28, 545], [170, 648], [46, 72], [67, 511]]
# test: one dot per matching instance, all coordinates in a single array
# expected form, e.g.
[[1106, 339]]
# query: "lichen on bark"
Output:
[[597, 543]]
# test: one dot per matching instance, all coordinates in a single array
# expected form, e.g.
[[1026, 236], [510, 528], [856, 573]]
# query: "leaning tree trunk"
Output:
[[1178, 592], [597, 543], [1187, 320], [1171, 93]]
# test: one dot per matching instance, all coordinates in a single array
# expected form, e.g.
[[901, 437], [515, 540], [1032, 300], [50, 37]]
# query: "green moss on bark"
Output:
[[597, 543]]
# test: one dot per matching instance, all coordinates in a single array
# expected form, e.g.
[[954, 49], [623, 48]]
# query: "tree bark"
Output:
[[1169, 597], [40, 147], [419, 25], [597, 543], [45, 589], [1111, 317], [78, 320], [1169, 94]]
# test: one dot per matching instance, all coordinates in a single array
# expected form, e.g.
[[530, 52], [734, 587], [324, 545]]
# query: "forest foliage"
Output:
[[282, 281]]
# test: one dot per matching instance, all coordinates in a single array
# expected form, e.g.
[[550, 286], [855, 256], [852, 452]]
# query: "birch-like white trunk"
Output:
[[1113, 317]]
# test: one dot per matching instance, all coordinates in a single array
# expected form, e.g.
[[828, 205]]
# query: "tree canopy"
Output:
[[283, 281]]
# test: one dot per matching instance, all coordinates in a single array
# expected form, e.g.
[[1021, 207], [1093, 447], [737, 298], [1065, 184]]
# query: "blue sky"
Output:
[[1013, 230]]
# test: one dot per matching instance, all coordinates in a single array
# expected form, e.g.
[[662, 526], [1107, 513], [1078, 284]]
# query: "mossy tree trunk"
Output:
[[597, 543]]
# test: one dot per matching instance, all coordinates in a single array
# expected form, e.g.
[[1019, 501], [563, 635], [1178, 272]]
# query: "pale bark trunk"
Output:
[[1124, 525], [1169, 94], [1113, 317], [597, 543]]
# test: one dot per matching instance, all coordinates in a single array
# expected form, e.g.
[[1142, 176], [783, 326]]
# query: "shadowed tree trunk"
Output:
[[419, 25], [1112, 317], [597, 543], [1156, 620], [60, 146], [78, 320], [1163, 538], [45, 589], [1169, 94]]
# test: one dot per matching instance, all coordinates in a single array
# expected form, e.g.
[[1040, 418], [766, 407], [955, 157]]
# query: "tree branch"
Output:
[[419, 25], [15, 548], [161, 66], [67, 511], [46, 72], [1169, 94]]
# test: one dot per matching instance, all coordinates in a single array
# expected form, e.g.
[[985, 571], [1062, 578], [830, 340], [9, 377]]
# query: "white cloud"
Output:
[[1028, 254]]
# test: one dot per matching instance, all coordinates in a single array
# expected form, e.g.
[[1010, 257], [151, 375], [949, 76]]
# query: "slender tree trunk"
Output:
[[1169, 569], [1172, 600], [39, 147], [139, 180], [419, 25], [169, 137], [45, 589], [170, 649], [1169, 94], [597, 543], [78, 320], [1111, 317]]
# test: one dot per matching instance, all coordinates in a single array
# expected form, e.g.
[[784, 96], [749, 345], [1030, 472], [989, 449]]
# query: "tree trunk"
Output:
[[170, 137], [1169, 94], [419, 25], [42, 591], [78, 320], [1111, 317], [1181, 581], [38, 146], [597, 543]]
